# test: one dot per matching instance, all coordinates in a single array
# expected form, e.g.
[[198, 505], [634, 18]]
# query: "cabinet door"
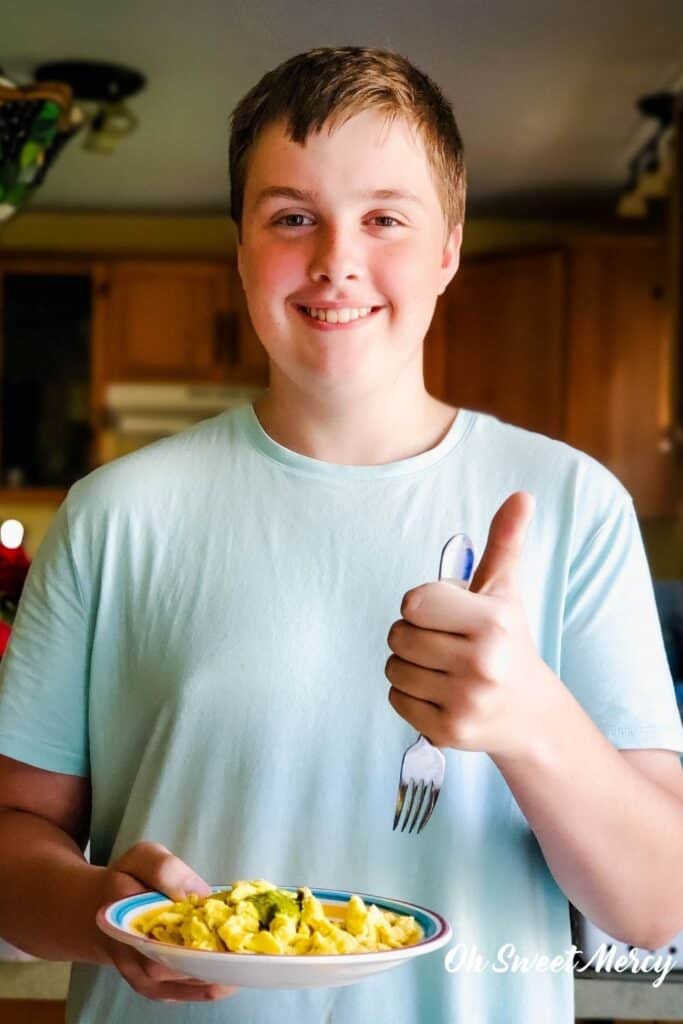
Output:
[[621, 370], [247, 359], [162, 319], [497, 340], [170, 320]]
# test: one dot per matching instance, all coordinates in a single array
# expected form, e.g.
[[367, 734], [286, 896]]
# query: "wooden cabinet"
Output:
[[175, 320], [501, 339], [621, 367], [71, 325], [576, 343]]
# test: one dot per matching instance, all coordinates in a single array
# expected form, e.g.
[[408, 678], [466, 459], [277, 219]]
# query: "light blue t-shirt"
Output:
[[204, 630]]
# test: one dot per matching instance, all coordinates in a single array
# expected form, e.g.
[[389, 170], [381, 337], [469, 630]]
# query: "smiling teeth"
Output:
[[337, 316]]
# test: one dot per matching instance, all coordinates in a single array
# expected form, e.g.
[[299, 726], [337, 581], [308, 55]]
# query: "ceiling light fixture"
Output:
[[39, 118], [35, 123], [101, 89], [651, 169]]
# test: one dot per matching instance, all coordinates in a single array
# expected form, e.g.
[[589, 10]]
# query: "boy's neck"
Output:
[[373, 430]]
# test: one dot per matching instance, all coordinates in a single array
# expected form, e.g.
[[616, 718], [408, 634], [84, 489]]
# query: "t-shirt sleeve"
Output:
[[613, 657], [44, 672]]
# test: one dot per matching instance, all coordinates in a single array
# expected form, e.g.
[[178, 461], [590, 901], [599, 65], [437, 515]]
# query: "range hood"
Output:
[[157, 410]]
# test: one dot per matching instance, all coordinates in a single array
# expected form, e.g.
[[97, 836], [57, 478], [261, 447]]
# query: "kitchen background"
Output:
[[122, 316]]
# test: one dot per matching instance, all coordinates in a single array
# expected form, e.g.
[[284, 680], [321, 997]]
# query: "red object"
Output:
[[5, 634], [14, 565]]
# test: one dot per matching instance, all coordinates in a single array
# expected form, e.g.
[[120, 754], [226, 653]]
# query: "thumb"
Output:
[[156, 867], [497, 570]]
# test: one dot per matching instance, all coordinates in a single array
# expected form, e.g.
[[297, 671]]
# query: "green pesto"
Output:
[[275, 901]]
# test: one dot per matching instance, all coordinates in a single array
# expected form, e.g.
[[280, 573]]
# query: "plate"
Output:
[[265, 970]]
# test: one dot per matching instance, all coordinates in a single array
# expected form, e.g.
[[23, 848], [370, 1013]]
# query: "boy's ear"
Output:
[[450, 261]]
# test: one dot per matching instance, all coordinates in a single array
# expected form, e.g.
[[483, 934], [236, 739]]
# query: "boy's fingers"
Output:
[[443, 606], [185, 994], [151, 865], [422, 715], [176, 991], [156, 981], [156, 867], [428, 648], [160, 972]]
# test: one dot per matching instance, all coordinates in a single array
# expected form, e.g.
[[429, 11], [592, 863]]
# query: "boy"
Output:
[[195, 676]]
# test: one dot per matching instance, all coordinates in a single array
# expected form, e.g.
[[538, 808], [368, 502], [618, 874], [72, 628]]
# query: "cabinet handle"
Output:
[[226, 339]]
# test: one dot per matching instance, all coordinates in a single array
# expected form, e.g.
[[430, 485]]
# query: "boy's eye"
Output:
[[292, 220], [384, 217]]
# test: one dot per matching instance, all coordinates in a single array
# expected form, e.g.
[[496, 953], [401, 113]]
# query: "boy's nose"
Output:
[[335, 258]]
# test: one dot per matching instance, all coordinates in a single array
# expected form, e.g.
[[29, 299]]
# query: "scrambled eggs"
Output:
[[256, 917]]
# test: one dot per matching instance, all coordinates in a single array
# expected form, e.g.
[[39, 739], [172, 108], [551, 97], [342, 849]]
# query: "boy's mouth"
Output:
[[338, 317]]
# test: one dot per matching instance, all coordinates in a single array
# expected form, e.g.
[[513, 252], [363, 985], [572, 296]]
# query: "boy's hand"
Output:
[[465, 671], [152, 866]]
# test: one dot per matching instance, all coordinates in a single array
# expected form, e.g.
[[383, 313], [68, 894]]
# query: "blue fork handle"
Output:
[[457, 560]]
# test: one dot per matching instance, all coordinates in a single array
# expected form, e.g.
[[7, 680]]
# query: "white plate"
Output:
[[264, 970]]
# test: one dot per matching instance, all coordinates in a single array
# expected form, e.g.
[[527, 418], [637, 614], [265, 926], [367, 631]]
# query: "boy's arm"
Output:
[[609, 822], [466, 673], [49, 891], [50, 894]]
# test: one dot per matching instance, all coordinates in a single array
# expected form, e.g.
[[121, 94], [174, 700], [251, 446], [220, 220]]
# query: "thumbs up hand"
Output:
[[464, 670]]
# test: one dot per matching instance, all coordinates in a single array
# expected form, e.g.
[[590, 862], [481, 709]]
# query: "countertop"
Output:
[[597, 996], [629, 998], [39, 979]]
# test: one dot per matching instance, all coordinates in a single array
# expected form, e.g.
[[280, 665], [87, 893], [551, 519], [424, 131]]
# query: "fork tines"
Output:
[[418, 791]]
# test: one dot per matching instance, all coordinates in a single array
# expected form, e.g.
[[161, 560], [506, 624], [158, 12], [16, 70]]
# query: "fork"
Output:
[[423, 766]]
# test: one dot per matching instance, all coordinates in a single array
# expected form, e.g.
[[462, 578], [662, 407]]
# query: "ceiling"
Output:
[[544, 92]]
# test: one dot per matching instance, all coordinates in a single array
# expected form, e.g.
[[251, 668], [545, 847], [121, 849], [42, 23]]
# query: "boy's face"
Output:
[[333, 242]]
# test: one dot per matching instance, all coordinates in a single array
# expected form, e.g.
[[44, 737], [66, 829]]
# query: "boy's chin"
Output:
[[338, 385]]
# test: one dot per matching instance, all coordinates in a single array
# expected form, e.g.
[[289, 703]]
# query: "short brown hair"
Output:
[[331, 84]]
